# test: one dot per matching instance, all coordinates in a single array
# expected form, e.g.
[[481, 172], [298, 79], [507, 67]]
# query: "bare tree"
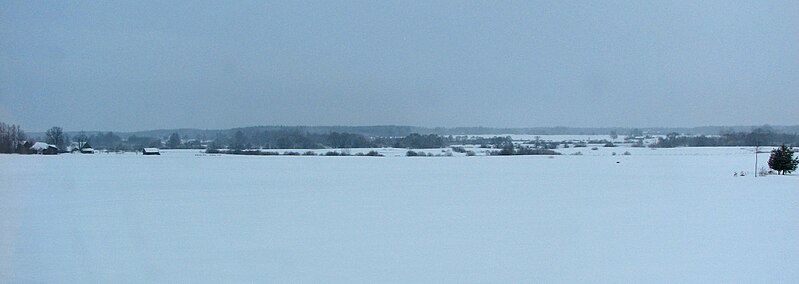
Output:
[[11, 138], [55, 136], [81, 139]]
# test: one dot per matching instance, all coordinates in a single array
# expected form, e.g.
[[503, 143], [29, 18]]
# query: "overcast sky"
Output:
[[167, 64]]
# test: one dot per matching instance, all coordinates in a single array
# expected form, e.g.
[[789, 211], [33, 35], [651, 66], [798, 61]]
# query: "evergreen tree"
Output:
[[174, 141], [782, 160]]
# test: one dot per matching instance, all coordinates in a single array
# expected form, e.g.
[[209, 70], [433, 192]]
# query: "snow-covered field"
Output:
[[665, 215], [571, 138]]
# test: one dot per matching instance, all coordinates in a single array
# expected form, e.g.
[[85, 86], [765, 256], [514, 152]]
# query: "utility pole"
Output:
[[756, 150]]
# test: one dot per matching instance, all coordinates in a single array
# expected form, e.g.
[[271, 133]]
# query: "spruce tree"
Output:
[[782, 160], [174, 141]]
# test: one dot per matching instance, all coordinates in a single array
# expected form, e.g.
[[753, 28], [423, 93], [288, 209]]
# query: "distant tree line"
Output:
[[192, 135], [418, 141], [13, 138], [289, 139], [294, 139], [763, 136]]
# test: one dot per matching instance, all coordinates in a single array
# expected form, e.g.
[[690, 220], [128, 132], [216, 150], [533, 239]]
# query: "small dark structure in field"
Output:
[[150, 151]]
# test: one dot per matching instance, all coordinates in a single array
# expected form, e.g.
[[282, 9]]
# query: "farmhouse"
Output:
[[150, 151], [43, 149], [81, 147]]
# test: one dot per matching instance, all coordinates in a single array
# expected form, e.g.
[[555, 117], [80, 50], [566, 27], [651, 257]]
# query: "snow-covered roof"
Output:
[[38, 146]]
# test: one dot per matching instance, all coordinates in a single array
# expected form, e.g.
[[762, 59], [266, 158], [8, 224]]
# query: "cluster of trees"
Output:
[[113, 142], [105, 141], [763, 136], [496, 141], [538, 143], [293, 139], [12, 138], [418, 141], [258, 152], [412, 153], [523, 150], [289, 139]]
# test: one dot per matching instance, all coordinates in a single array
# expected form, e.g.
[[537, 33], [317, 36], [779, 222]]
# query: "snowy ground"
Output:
[[665, 215], [570, 138]]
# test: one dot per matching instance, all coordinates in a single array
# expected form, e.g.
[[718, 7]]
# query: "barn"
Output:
[[43, 149], [151, 151]]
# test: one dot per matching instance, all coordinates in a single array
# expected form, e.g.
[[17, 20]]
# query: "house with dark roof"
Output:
[[81, 147]]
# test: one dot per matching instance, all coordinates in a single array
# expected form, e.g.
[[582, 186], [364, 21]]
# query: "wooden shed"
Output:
[[150, 151]]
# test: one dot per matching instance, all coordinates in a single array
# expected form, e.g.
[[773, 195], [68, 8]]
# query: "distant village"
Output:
[[55, 141], [43, 148]]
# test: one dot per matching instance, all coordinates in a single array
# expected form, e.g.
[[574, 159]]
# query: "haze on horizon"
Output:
[[153, 65]]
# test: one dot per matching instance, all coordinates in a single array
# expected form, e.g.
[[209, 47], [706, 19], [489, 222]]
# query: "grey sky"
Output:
[[140, 65]]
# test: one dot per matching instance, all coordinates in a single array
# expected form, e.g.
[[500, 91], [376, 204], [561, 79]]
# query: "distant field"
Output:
[[664, 215]]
